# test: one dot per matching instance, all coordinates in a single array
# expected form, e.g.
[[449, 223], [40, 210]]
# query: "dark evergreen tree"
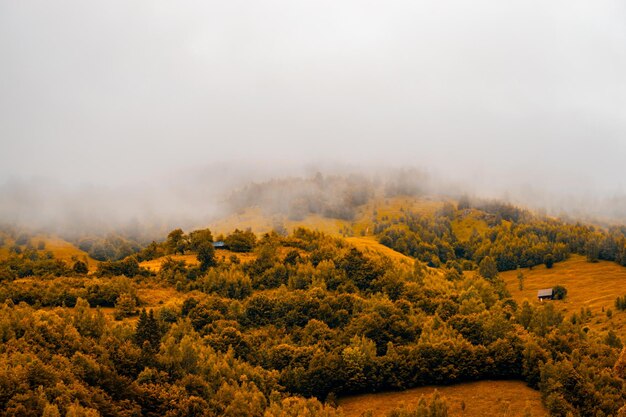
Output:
[[147, 330]]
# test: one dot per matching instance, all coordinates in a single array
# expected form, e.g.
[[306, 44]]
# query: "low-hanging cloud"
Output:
[[129, 101]]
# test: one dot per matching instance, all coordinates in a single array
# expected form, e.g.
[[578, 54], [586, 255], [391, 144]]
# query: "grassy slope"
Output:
[[464, 225], [593, 285], [152, 297], [393, 208], [64, 250], [365, 244], [360, 229], [370, 244], [482, 398], [255, 219], [155, 264], [60, 248], [191, 259], [259, 222]]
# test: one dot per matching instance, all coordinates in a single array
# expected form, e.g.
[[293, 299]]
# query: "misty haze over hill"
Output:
[[151, 113], [148, 210]]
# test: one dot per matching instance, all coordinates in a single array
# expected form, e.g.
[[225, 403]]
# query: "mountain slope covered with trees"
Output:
[[303, 319]]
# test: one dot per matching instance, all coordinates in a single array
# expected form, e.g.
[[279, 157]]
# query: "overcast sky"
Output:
[[499, 93]]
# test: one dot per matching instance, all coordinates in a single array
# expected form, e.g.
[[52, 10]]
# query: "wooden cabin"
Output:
[[545, 294]]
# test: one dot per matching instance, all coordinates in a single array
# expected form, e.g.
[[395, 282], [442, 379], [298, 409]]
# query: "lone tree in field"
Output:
[[487, 268], [520, 280]]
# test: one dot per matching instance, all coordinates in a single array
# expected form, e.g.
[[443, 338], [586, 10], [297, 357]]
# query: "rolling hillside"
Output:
[[361, 225], [338, 321], [589, 285]]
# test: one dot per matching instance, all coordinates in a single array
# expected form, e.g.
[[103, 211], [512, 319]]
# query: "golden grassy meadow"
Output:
[[589, 285], [472, 399], [61, 249]]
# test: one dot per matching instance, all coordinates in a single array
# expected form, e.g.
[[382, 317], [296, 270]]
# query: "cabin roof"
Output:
[[547, 292], [219, 244]]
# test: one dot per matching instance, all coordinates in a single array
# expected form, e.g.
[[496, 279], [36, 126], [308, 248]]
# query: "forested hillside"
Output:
[[285, 323]]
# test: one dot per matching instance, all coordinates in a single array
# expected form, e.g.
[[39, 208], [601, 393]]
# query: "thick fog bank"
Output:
[[196, 197]]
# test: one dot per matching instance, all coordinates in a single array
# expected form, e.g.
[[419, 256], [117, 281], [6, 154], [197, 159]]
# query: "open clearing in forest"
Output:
[[379, 209], [255, 220], [61, 249], [589, 285], [153, 298], [364, 244], [154, 265], [464, 225], [481, 398], [370, 244], [66, 251], [191, 259]]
